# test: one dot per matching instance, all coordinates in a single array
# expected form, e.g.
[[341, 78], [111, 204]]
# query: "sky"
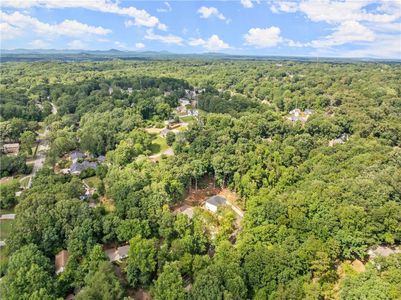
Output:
[[327, 28]]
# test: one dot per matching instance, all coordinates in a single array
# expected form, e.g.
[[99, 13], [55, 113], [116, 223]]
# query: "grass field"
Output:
[[5, 228], [187, 119], [4, 211], [158, 145], [24, 182], [93, 181]]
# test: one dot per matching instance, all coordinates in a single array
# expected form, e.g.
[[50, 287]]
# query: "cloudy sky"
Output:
[[350, 28]]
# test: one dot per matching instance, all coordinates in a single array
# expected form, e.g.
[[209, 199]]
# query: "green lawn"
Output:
[[5, 228], [93, 181], [24, 182], [188, 119], [158, 145], [6, 211]]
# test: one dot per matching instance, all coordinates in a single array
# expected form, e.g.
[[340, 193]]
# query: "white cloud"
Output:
[[39, 44], [207, 12], [263, 37], [166, 39], [77, 45], [335, 11], [140, 17], [8, 32], [214, 43], [67, 27], [165, 9], [247, 3], [139, 45], [284, 6], [347, 32]]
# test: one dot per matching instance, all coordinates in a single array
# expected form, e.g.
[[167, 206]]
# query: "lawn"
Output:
[[158, 145], [93, 181], [6, 211], [24, 182], [188, 119], [5, 228]]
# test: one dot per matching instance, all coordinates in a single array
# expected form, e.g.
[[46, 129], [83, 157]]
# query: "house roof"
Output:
[[216, 200], [123, 251], [74, 155], [61, 260], [115, 254], [79, 167]]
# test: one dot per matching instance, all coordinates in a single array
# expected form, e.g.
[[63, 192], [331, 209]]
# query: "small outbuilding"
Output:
[[61, 261], [213, 203]]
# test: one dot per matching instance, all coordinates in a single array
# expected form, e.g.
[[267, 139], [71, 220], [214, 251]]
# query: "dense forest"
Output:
[[317, 192]]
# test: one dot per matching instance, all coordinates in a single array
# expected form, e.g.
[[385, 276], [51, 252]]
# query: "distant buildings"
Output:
[[61, 261], [298, 115], [77, 168], [213, 203]]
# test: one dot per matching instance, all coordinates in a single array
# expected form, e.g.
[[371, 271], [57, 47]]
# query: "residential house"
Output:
[[339, 141], [382, 251], [77, 167], [117, 254], [184, 102], [129, 90], [11, 148], [61, 261], [295, 112], [76, 155], [213, 203], [163, 132]]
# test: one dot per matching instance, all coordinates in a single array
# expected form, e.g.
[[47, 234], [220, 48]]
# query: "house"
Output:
[[11, 148], [295, 112], [339, 141], [184, 102], [110, 90], [213, 203], [61, 261], [129, 90], [117, 254], [193, 112], [382, 251], [308, 112], [164, 132], [77, 167], [76, 155]]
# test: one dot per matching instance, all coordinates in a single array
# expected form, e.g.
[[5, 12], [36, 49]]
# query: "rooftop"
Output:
[[216, 200]]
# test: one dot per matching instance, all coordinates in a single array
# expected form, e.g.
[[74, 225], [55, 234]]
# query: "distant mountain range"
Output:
[[98, 55]]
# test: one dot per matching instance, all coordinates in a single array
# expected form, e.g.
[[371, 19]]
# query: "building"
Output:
[[339, 141], [110, 90], [164, 132], [184, 101], [295, 112], [117, 254], [382, 251], [61, 261], [11, 148], [77, 167], [76, 155], [129, 90], [213, 203]]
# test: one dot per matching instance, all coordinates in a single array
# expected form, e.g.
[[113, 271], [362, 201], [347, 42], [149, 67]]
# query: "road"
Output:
[[42, 150]]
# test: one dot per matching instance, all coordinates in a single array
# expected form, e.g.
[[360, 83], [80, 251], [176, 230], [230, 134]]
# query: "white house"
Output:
[[213, 203], [117, 254]]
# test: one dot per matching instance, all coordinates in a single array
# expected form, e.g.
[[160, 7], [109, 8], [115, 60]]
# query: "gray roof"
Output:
[[76, 155], [216, 200], [79, 167]]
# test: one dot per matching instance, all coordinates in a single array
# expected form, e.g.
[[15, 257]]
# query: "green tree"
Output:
[[28, 141], [169, 284]]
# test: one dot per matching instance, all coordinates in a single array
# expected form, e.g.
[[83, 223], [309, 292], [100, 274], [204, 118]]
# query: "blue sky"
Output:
[[347, 28]]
